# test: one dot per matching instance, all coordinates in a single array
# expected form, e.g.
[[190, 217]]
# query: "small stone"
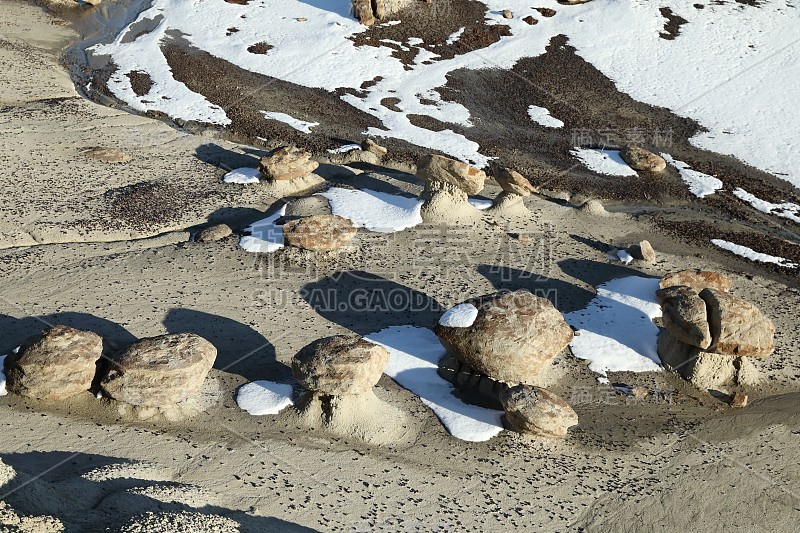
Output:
[[319, 233], [106, 155], [513, 182], [437, 168], [594, 207], [697, 280], [214, 233], [58, 364], [371, 146], [739, 400], [546, 12], [639, 392], [160, 371], [287, 163], [508, 14], [643, 251], [537, 411], [640, 159], [530, 20], [340, 365]]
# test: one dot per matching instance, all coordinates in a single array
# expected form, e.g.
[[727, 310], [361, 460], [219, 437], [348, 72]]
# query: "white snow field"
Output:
[[701, 185], [606, 162], [265, 236], [264, 397], [376, 211], [752, 255]]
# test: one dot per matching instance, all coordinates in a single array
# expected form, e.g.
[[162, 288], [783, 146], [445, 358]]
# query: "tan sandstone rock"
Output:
[[643, 251], [319, 233], [738, 327], [536, 411], [160, 371], [437, 168], [60, 363], [513, 182], [685, 316], [340, 365], [697, 280], [640, 159], [287, 163], [514, 337], [214, 233]]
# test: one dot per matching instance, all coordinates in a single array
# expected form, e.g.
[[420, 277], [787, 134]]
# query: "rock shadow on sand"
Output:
[[364, 303], [15, 331], [566, 297]]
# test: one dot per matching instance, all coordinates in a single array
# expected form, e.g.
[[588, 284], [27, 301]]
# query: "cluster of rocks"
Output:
[[498, 358], [709, 334], [63, 362], [338, 374]]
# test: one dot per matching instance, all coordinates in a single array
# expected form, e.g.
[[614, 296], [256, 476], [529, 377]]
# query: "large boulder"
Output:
[[536, 411], [514, 337], [443, 170], [287, 163], [369, 11], [340, 365], [738, 327], [160, 371], [58, 364], [684, 315], [513, 182], [319, 233], [640, 159], [697, 280]]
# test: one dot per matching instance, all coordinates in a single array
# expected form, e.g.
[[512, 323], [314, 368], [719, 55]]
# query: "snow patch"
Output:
[[616, 331], [265, 236], [480, 203], [542, 116], [344, 149], [243, 176], [607, 162], [751, 254], [786, 210], [413, 363], [373, 210], [3, 390], [264, 397], [459, 316], [299, 125], [701, 185], [624, 256]]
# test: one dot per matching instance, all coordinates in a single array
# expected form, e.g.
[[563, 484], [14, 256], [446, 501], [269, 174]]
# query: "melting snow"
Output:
[[3, 390], [480, 203], [299, 125], [242, 175], [751, 254], [542, 116], [616, 330], [785, 210], [413, 363], [344, 149], [265, 236], [607, 162], [459, 316], [701, 185], [264, 397], [373, 210]]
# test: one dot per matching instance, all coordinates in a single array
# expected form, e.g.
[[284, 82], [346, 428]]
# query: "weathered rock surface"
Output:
[[160, 371], [370, 11], [287, 163], [214, 233], [319, 233], [58, 364], [738, 327], [514, 337], [106, 155], [340, 365], [473, 387], [536, 411], [437, 168], [371, 146], [684, 315], [640, 159], [513, 182], [643, 251], [697, 280]]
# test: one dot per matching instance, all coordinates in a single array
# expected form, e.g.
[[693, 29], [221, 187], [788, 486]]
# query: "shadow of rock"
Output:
[[365, 302], [240, 349], [566, 297], [15, 331], [52, 483], [592, 243], [596, 273], [220, 157]]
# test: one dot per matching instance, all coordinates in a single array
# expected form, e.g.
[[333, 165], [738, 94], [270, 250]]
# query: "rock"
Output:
[[639, 392], [697, 280], [319, 233], [214, 233], [507, 14], [685, 316], [437, 168], [287, 163], [514, 337], [92, 2], [737, 326], [371, 146], [509, 204], [513, 182], [444, 203], [747, 375], [58, 364], [306, 207], [106, 155], [594, 207], [340, 365], [369, 11], [643, 251], [363, 12], [530, 20], [473, 387], [546, 12], [160, 371], [739, 400], [640, 159], [704, 370], [536, 411]]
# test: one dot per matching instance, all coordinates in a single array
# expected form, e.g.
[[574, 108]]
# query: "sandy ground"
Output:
[[690, 463]]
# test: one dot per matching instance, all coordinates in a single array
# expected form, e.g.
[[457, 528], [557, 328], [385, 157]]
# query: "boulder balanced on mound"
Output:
[[160, 371], [447, 185], [58, 364], [515, 189], [289, 170], [513, 338]]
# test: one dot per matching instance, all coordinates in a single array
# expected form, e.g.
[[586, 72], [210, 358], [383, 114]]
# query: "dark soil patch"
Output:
[[141, 82], [672, 28], [143, 204], [259, 48]]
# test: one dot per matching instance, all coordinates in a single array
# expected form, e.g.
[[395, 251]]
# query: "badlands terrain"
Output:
[[148, 191]]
